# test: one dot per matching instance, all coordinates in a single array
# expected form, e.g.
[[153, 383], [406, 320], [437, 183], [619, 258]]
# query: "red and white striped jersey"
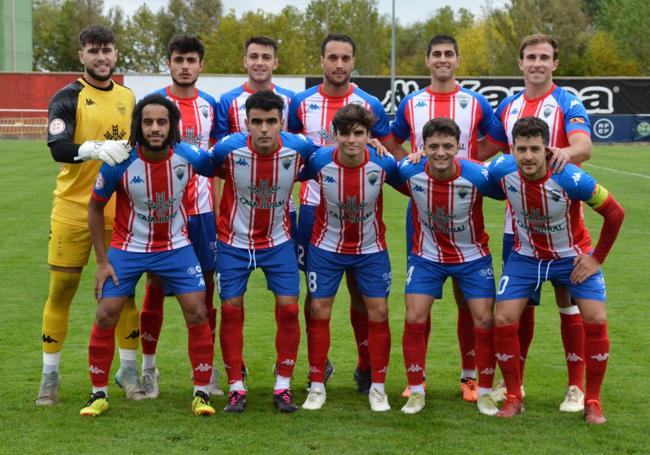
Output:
[[548, 221], [150, 215], [311, 113], [470, 110], [349, 215], [254, 210], [197, 127], [562, 111], [448, 215]]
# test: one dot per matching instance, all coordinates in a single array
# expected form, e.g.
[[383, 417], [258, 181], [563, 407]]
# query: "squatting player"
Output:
[[149, 235], [348, 237], [311, 113], [197, 127], [93, 108], [474, 115], [569, 141], [551, 244], [449, 240], [260, 169]]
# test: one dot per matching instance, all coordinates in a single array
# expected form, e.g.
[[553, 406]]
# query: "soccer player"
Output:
[[473, 114], [311, 113], [570, 141], [348, 237], [551, 244], [260, 169], [449, 240], [197, 127], [94, 108], [149, 235]]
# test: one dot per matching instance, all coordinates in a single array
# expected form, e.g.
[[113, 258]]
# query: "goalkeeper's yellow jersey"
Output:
[[80, 112]]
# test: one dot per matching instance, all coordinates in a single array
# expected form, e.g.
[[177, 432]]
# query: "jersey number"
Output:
[[503, 282], [311, 281]]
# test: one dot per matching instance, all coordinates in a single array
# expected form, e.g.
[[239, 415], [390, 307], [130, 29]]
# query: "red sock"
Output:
[[596, 353], [306, 312], [485, 360], [413, 347], [287, 338], [318, 346], [573, 339], [209, 305], [359, 322], [526, 332], [151, 317], [100, 354], [379, 349], [201, 349], [506, 351], [466, 342], [231, 337], [427, 332]]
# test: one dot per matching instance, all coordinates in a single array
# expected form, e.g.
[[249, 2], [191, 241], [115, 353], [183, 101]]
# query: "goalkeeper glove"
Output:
[[110, 152]]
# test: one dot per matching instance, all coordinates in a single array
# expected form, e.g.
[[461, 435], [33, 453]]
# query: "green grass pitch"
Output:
[[345, 425]]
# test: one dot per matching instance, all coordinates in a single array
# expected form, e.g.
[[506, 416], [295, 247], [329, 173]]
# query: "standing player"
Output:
[[93, 108], [149, 235], [473, 114], [449, 241], [349, 237], [552, 244], [197, 127], [311, 113], [260, 169], [570, 141]]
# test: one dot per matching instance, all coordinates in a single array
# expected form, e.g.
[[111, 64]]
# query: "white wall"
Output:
[[213, 84]]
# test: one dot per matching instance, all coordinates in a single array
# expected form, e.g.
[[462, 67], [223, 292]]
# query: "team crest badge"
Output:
[[121, 107], [463, 101], [372, 177], [179, 170], [547, 111], [205, 111], [99, 182], [555, 195], [462, 192], [286, 162]]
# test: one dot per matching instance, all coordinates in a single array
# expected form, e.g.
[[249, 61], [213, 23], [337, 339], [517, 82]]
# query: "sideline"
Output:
[[643, 176]]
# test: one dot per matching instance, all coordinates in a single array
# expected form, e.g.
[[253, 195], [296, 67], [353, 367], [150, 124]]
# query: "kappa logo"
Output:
[[135, 180], [573, 357], [288, 362], [133, 335], [241, 162], [314, 370], [576, 177], [421, 104], [414, 368], [95, 370], [48, 339], [512, 189], [146, 336], [313, 107], [203, 367], [329, 179], [500, 160], [515, 111], [383, 370], [488, 371], [418, 189], [574, 103], [471, 353], [601, 357], [364, 342], [503, 357]]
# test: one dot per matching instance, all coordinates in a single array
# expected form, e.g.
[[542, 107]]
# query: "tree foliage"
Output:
[[596, 37]]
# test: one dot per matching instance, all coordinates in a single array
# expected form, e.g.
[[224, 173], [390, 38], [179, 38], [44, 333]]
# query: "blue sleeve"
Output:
[[578, 184], [480, 177], [381, 128], [400, 128], [222, 118], [496, 170], [490, 126], [214, 134], [315, 163], [389, 165], [576, 118], [107, 180], [200, 160], [496, 130], [295, 125], [221, 150]]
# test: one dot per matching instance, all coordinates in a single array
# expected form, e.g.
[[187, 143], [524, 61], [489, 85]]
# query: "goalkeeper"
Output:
[[89, 122]]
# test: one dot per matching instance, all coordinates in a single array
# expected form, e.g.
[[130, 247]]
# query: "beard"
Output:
[[99, 77], [184, 84], [155, 148], [337, 83]]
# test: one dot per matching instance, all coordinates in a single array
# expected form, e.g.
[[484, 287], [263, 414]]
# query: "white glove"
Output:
[[110, 152]]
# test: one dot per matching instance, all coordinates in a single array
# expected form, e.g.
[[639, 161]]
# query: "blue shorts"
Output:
[[306, 219], [475, 278], [325, 270], [202, 231], [522, 274], [179, 269], [234, 266], [410, 230], [508, 247]]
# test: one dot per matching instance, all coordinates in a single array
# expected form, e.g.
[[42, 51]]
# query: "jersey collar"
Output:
[[453, 92], [541, 97], [169, 94], [324, 95]]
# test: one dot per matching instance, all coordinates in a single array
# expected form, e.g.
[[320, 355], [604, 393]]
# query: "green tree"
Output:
[[604, 58], [141, 49]]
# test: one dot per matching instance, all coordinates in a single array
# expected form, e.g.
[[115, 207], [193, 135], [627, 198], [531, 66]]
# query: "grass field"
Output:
[[346, 424]]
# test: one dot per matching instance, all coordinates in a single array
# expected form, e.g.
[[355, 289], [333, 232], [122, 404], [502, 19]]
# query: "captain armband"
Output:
[[598, 197]]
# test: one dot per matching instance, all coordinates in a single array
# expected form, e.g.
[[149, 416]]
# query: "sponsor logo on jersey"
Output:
[[372, 176], [114, 134], [179, 170], [503, 357], [442, 222], [136, 179], [241, 162], [57, 126], [352, 210], [90, 102], [162, 208]]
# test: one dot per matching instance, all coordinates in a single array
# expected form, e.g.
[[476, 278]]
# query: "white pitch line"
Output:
[[643, 176]]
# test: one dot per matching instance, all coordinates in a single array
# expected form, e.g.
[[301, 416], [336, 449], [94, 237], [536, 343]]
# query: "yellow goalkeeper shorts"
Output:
[[69, 246]]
